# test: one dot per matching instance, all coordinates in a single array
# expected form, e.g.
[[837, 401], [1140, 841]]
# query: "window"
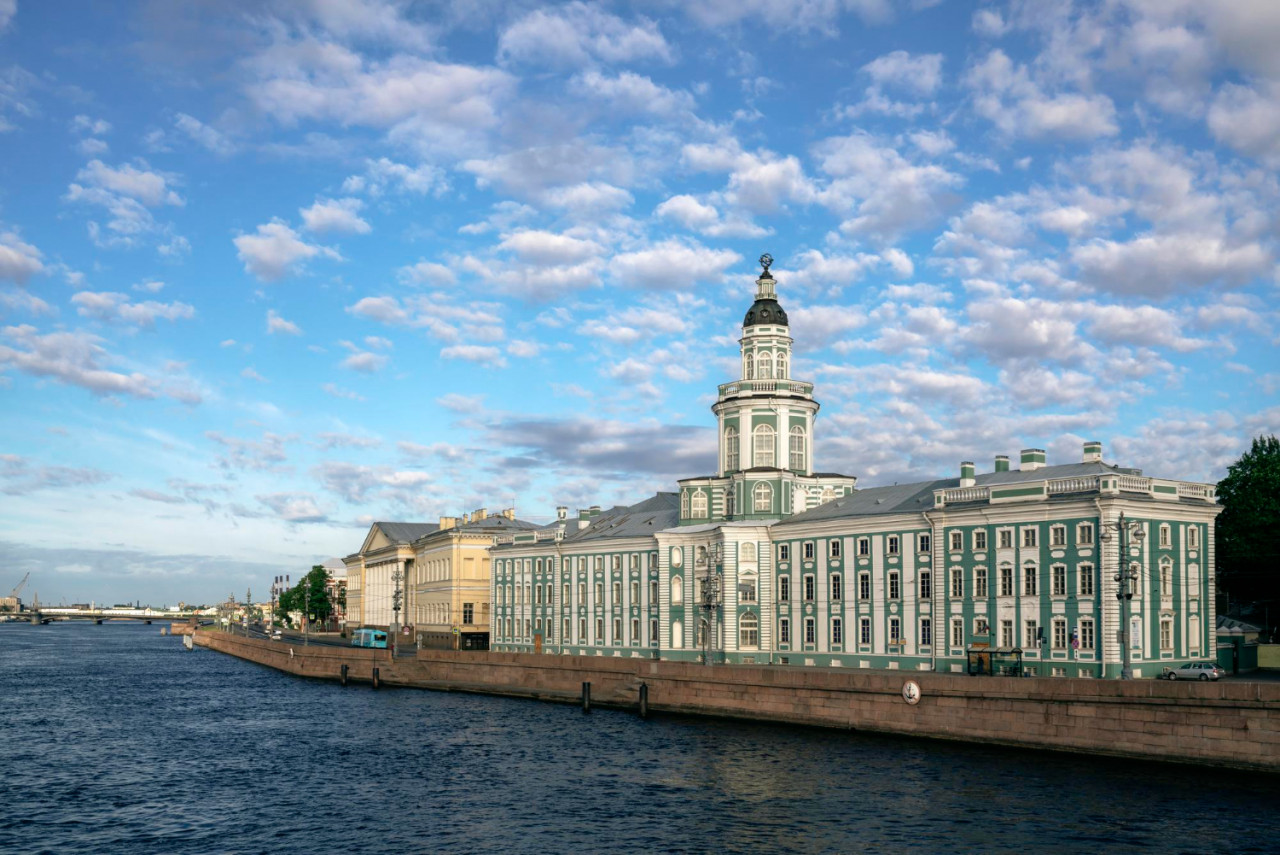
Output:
[[1029, 576], [864, 586], [653, 631], [684, 505], [957, 541], [599, 593], [980, 539], [808, 588], [1166, 579], [635, 631], [616, 560], [1006, 633], [1059, 634], [582, 593], [1086, 633], [537, 595], [895, 589], [1166, 633], [893, 544], [833, 547], [1084, 534], [1059, 580], [784, 631], [837, 631], [731, 449], [808, 551], [750, 369], [1058, 535], [1031, 637], [468, 613], [782, 367], [797, 448], [763, 446], [1006, 581], [1028, 537], [582, 630], [1164, 536], [699, 507], [763, 494], [810, 632], [926, 584], [653, 592], [957, 632], [784, 588], [1193, 536], [836, 587], [1085, 587], [784, 552], [635, 592], [564, 631], [764, 366], [1193, 634], [599, 562], [550, 627], [1006, 538], [749, 631], [617, 631], [747, 589], [980, 583], [926, 632], [864, 546], [926, 543], [895, 631], [864, 631], [564, 597], [677, 590], [957, 583]]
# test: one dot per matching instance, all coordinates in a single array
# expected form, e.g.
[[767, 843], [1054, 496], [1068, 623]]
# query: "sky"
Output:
[[270, 271]]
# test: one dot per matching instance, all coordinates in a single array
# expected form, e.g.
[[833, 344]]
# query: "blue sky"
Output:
[[270, 271]]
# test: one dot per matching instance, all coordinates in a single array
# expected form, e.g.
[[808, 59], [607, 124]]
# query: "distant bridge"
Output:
[[49, 614]]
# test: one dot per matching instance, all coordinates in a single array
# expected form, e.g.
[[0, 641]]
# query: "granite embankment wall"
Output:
[[1222, 724]]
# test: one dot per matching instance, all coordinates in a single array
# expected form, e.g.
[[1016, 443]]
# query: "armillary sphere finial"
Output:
[[765, 261]]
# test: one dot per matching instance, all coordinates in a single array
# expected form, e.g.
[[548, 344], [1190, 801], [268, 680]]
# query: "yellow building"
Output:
[[444, 578]]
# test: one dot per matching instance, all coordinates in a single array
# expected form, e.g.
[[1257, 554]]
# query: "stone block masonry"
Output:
[[1217, 724]]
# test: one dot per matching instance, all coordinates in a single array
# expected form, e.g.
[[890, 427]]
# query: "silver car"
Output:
[[1196, 671]]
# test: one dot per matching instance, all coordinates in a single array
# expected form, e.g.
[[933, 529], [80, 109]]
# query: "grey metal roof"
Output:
[[660, 511], [405, 532], [498, 523]]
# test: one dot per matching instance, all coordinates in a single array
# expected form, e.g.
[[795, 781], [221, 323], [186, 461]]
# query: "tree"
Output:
[[310, 596], [1248, 529]]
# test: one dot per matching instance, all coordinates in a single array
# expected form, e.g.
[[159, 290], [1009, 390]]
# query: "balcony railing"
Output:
[[768, 387], [966, 494], [1084, 484]]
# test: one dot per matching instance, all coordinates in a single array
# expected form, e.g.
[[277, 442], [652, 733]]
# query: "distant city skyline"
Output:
[[273, 270]]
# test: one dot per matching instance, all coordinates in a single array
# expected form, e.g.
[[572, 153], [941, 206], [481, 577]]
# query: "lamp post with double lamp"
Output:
[[396, 577], [1126, 576], [710, 599]]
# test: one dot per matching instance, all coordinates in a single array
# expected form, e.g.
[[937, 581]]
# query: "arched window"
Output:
[[766, 365], [750, 361], [763, 497], [684, 505], [677, 591], [730, 503], [797, 448], [699, 508], [781, 372], [677, 634], [1193, 633], [747, 553], [731, 449], [763, 446], [749, 631]]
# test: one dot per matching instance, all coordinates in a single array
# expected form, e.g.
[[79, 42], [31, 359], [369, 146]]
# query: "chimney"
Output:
[[562, 512], [1093, 452], [477, 515], [447, 523], [966, 474], [1002, 463], [1032, 458], [466, 518], [509, 513]]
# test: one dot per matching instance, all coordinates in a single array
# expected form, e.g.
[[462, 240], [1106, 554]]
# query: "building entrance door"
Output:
[[537, 642]]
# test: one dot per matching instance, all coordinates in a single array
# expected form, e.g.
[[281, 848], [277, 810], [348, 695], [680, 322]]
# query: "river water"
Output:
[[114, 738]]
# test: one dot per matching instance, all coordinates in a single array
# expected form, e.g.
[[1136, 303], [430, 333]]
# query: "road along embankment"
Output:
[[1229, 724]]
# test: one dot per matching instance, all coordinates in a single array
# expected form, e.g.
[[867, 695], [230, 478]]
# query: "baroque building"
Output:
[[1020, 570]]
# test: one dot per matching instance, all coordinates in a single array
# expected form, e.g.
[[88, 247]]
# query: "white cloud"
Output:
[[251, 374], [335, 215], [1157, 265], [479, 354], [588, 198], [74, 358], [365, 362], [629, 92], [210, 138], [427, 273], [276, 251], [383, 175], [524, 349], [112, 306], [277, 324], [1006, 94], [19, 261], [8, 8], [705, 219], [921, 74], [547, 248], [136, 182], [338, 392], [578, 34], [294, 507], [800, 15], [1247, 118], [672, 265]]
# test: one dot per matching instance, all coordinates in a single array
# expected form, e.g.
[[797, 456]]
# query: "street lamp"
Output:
[[1126, 575], [711, 598], [396, 577]]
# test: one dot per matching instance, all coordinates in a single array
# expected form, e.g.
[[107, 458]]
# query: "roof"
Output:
[[405, 532], [918, 496], [496, 523], [1235, 627], [660, 511]]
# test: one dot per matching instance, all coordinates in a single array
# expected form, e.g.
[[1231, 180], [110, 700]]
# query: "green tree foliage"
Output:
[[1248, 529], [309, 595]]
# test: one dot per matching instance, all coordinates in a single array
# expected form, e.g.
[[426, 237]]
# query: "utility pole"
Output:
[[1126, 575], [306, 610]]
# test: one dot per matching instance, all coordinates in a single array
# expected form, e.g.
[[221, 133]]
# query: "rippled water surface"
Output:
[[115, 739]]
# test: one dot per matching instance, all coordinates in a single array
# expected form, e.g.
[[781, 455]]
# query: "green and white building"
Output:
[[768, 561]]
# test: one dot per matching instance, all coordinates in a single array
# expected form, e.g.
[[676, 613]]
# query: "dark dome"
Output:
[[765, 312]]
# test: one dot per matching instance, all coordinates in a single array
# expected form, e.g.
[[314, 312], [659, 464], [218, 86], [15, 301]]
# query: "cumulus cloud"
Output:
[[1247, 118], [384, 175], [920, 75], [205, 136], [365, 362], [294, 507], [257, 455], [1005, 94], [136, 182], [74, 358], [705, 219], [611, 449], [628, 92], [1157, 265], [357, 483], [548, 248], [485, 355], [579, 34], [335, 215], [19, 260], [277, 251], [18, 476], [277, 324], [672, 265], [111, 306]]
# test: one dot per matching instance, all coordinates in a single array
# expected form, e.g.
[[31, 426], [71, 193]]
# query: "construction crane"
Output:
[[12, 600]]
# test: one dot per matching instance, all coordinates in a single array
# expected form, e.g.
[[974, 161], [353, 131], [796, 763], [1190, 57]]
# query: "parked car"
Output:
[[1196, 671], [275, 636]]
